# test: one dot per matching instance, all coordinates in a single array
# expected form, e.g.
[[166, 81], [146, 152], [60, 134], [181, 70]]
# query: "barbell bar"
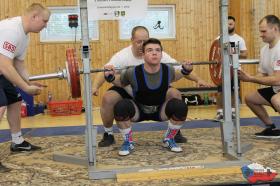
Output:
[[62, 74], [241, 61], [173, 64], [72, 72]]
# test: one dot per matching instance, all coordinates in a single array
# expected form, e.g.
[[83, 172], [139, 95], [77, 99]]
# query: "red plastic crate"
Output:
[[65, 108]]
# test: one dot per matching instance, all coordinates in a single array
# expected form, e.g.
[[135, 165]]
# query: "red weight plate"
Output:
[[73, 69], [215, 69]]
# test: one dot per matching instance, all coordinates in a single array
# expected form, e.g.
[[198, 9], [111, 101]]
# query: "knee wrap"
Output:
[[176, 109], [124, 110]]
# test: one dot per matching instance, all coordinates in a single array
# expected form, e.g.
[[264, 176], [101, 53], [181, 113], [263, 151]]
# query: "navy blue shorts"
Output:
[[8, 92]]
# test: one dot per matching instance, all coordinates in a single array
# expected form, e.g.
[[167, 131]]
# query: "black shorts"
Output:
[[121, 91], [220, 88], [267, 94], [8, 92]]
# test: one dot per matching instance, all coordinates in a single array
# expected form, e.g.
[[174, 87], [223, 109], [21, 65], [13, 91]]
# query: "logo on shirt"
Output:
[[10, 47]]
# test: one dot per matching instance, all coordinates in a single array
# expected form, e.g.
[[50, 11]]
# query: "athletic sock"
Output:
[[171, 131], [220, 111], [17, 138], [126, 134], [109, 130]]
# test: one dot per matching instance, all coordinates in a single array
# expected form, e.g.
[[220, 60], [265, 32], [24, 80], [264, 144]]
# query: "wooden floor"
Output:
[[46, 120]]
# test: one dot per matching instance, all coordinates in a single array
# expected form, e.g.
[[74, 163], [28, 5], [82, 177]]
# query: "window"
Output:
[[160, 21], [58, 29]]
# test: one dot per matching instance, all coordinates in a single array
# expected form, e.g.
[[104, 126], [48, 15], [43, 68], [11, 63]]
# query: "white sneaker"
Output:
[[170, 143], [126, 148]]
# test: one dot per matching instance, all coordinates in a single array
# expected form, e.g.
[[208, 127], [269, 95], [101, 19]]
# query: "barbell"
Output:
[[72, 72]]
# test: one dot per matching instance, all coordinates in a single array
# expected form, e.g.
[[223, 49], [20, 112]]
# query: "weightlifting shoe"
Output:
[[179, 138], [171, 145], [126, 148], [107, 140], [3, 168], [24, 146], [271, 133]]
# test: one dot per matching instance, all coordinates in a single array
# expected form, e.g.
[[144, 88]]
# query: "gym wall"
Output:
[[197, 25]]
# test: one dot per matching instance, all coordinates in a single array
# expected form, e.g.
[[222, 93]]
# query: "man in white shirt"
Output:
[[268, 74], [13, 46], [235, 40], [130, 56]]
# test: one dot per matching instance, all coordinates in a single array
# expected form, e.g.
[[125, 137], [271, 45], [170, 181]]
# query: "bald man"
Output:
[[14, 40]]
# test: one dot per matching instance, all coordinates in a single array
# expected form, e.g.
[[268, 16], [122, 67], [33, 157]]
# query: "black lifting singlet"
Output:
[[144, 94]]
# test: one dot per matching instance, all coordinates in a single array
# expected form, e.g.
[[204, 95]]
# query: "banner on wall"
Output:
[[116, 9]]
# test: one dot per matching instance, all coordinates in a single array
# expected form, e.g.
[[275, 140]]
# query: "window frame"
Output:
[[171, 19], [55, 9]]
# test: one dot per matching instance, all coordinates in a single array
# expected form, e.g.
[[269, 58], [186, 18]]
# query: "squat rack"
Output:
[[227, 127]]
